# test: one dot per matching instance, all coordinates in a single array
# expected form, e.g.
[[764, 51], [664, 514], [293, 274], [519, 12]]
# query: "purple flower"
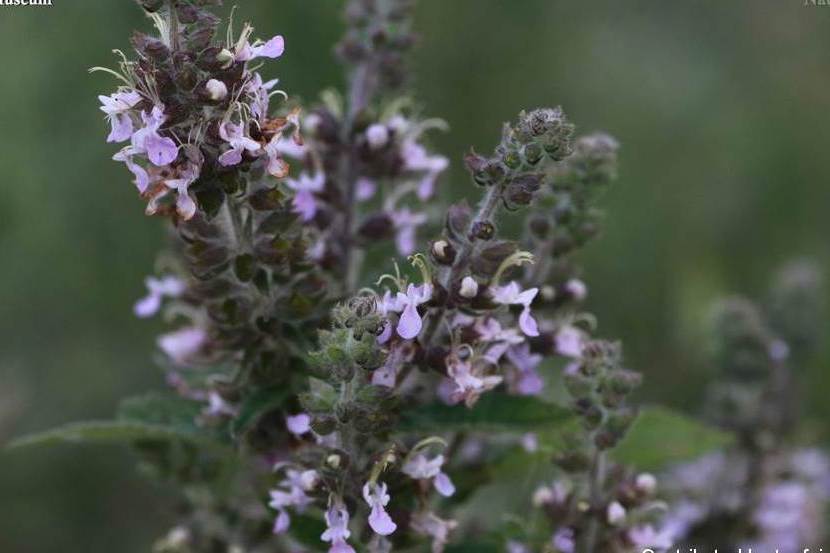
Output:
[[499, 339], [512, 294], [160, 150], [469, 383], [569, 342], [337, 529], [157, 288], [377, 135], [563, 540], [235, 136], [185, 206], [366, 188], [577, 289], [406, 223], [117, 107], [387, 374], [183, 344], [527, 382], [647, 536], [291, 493], [416, 158], [273, 49], [377, 498], [298, 424], [142, 177], [217, 406], [410, 323], [428, 524], [421, 468], [305, 186], [260, 95]]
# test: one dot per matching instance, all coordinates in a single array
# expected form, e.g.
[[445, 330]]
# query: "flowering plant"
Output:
[[321, 398]]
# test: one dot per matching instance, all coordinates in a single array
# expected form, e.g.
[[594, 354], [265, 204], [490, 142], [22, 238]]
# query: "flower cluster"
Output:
[[764, 492], [330, 403]]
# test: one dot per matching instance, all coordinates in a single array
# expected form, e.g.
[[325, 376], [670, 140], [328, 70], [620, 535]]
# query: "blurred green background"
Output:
[[721, 109]]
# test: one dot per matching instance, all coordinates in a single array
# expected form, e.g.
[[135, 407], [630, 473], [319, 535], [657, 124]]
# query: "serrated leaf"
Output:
[[108, 432], [256, 405], [661, 436], [493, 412]]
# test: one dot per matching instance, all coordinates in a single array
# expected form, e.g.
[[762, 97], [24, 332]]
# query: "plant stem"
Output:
[[596, 482], [486, 213]]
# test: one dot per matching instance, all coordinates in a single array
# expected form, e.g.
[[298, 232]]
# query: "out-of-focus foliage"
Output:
[[720, 109]]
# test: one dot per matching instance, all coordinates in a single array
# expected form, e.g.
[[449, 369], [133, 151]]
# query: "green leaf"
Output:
[[661, 436], [493, 412], [256, 405], [153, 416], [106, 432]]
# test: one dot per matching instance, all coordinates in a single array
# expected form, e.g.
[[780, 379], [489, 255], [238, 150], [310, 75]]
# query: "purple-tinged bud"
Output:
[[532, 153], [377, 136], [615, 514]]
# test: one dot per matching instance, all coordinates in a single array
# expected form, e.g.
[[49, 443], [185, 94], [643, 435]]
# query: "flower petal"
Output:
[[410, 323], [443, 484], [380, 521], [231, 157], [527, 323], [160, 150]]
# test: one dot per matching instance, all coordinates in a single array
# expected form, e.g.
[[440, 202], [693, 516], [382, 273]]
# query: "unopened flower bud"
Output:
[[548, 292], [469, 287], [542, 496], [443, 252], [225, 56], [216, 89], [333, 461], [483, 230], [615, 513], [646, 483], [577, 289], [377, 136]]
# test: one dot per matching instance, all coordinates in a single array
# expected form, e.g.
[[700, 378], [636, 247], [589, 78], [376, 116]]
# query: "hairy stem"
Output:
[[486, 214], [596, 482]]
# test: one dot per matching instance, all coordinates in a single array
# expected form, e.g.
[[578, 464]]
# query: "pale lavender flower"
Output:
[[387, 374], [615, 513], [260, 94], [410, 323], [569, 342], [142, 177], [421, 468], [160, 150], [377, 498], [469, 383], [387, 304], [183, 344], [291, 493], [406, 223], [239, 142], [365, 189], [577, 289], [117, 107], [305, 187], [185, 206], [298, 424], [377, 135], [337, 529], [218, 407], [564, 541], [428, 524], [499, 339], [273, 49], [512, 294], [526, 381], [157, 289], [530, 442], [416, 158], [647, 536]]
